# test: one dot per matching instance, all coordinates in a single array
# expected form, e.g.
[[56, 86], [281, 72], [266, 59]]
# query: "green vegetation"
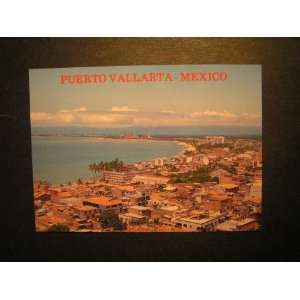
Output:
[[79, 181], [59, 228], [200, 175], [212, 146], [114, 165], [109, 218]]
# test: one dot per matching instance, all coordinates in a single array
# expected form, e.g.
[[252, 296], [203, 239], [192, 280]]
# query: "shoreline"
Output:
[[185, 147]]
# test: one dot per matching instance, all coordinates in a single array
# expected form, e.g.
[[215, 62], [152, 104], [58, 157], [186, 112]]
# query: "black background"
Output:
[[279, 239]]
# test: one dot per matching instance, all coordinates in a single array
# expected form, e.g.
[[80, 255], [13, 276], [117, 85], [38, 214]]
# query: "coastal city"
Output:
[[213, 184]]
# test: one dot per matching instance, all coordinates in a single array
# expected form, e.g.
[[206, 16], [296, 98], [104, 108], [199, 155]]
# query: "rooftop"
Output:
[[229, 185], [200, 221], [104, 201], [132, 215], [227, 226], [257, 183], [142, 208], [86, 208], [126, 188], [151, 177], [245, 221], [65, 195], [169, 208]]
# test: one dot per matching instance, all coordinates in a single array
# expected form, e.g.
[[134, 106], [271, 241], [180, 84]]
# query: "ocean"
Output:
[[62, 159]]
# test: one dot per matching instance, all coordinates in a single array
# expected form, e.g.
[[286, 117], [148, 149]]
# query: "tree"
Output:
[[114, 165], [96, 168], [59, 228], [92, 167], [200, 175], [110, 218], [79, 181]]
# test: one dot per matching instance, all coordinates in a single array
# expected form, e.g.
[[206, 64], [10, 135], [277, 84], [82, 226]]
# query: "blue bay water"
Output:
[[63, 159]]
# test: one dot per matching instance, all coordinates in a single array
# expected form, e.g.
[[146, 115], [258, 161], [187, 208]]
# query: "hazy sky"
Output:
[[236, 101]]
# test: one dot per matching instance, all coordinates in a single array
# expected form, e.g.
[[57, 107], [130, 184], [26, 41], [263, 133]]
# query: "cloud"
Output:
[[168, 111], [125, 117], [80, 109], [216, 114], [75, 109], [52, 118], [123, 109]]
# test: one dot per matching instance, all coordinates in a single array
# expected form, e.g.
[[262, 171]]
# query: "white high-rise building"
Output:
[[215, 139]]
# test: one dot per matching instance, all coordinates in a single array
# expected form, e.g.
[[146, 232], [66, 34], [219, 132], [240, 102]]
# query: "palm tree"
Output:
[[98, 168], [101, 165], [93, 168]]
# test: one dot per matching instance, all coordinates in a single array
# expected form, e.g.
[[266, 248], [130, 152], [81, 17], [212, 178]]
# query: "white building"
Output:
[[159, 162], [204, 160], [215, 139], [255, 194], [151, 180], [117, 177], [189, 159], [132, 218], [201, 224]]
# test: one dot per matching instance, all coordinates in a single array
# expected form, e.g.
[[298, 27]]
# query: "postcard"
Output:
[[156, 148]]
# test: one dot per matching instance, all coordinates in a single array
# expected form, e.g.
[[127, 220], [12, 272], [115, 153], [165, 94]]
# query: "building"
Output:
[[203, 159], [141, 210], [170, 188], [86, 211], [42, 196], [104, 203], [255, 194], [242, 210], [119, 191], [218, 202], [72, 201], [215, 139], [197, 223], [157, 199], [136, 215], [165, 214], [247, 224], [223, 176], [117, 177], [189, 159], [132, 218], [257, 163], [229, 187], [150, 180], [160, 161], [230, 225]]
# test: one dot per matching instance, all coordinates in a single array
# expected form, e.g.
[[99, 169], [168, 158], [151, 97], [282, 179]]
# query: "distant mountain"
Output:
[[157, 131]]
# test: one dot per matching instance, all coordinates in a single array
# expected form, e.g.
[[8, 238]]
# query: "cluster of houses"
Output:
[[144, 197]]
